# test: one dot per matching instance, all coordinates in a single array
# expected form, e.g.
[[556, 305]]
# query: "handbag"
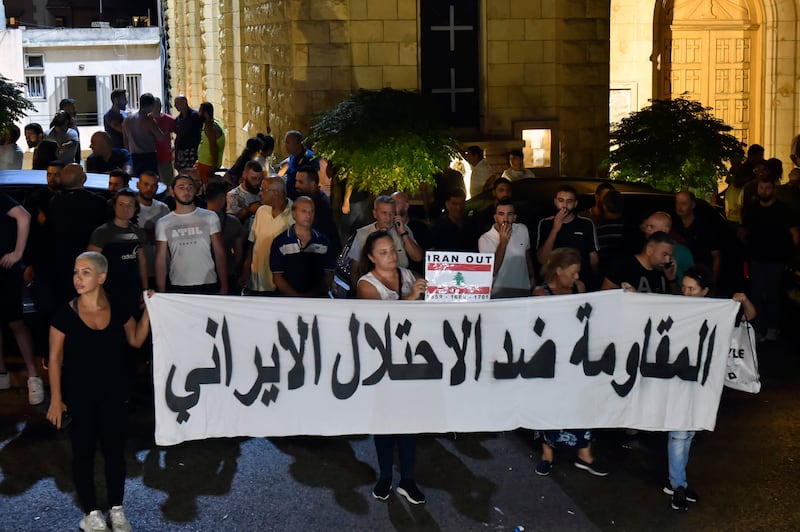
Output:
[[741, 372]]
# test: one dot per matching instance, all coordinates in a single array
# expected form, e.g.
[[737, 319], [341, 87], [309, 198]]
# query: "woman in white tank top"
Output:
[[385, 280]]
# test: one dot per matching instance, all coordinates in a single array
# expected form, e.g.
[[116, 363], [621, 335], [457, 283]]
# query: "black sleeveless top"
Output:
[[95, 364]]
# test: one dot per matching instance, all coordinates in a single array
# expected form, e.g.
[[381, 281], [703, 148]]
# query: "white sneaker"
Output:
[[93, 522], [35, 390], [5, 381], [119, 523]]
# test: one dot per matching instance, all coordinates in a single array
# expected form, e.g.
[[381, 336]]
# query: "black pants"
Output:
[[103, 421]]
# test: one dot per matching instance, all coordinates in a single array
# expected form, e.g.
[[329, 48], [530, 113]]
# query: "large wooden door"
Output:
[[708, 54]]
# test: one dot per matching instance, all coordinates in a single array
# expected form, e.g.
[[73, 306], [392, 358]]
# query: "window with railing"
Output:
[[35, 87], [132, 83]]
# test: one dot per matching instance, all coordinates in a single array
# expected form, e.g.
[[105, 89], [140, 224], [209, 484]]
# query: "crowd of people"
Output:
[[263, 230]]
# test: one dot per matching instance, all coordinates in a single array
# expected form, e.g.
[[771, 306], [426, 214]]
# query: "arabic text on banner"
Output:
[[227, 366]]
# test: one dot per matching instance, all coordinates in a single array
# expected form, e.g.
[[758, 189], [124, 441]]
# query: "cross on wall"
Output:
[[452, 28], [453, 90]]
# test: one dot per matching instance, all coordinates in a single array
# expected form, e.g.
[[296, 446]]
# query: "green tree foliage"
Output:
[[13, 103], [673, 144], [384, 140]]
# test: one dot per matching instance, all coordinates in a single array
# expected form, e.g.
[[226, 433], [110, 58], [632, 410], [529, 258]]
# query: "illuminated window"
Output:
[[537, 151]]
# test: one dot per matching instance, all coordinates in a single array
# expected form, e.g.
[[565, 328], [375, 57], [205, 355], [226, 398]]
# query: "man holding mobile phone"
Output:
[[511, 245], [567, 230], [386, 218]]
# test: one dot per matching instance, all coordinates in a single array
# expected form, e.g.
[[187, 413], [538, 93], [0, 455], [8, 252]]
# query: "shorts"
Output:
[[10, 294], [185, 158]]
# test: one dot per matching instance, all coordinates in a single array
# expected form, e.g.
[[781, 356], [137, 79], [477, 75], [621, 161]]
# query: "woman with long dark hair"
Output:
[[383, 279]]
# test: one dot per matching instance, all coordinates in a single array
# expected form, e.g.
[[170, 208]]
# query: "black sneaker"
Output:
[[543, 468], [382, 489], [408, 489], [691, 496], [679, 501], [594, 468]]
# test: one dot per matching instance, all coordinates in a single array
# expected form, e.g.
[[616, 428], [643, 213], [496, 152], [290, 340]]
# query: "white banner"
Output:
[[230, 366]]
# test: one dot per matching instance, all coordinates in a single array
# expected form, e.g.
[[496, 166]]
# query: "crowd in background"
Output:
[[284, 229]]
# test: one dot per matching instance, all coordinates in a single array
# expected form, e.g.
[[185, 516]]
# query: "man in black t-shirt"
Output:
[[14, 226], [74, 213], [453, 231], [772, 235], [188, 129], [567, 230], [645, 271], [697, 234]]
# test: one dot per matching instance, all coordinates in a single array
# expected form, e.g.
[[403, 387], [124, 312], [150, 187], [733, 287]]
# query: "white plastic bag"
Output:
[[742, 369]]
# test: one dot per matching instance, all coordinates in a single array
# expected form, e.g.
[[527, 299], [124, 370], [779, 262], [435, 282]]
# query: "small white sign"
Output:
[[457, 276]]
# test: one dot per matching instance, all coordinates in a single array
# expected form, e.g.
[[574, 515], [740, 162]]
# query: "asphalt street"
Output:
[[747, 473]]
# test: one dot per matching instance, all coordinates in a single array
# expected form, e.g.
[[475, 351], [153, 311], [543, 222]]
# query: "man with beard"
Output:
[[699, 236], [11, 154], [567, 230], [141, 132], [112, 120], [244, 200], [190, 237], [771, 236], [45, 150], [511, 245], [73, 214], [453, 231], [65, 136], [682, 257], [188, 126], [308, 185], [150, 211], [501, 190], [645, 271], [37, 254]]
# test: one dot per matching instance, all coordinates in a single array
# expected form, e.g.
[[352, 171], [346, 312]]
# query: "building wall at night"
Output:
[[273, 65]]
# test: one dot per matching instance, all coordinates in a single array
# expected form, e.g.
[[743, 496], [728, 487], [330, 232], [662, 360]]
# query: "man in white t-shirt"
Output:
[[150, 211], [191, 237], [511, 245]]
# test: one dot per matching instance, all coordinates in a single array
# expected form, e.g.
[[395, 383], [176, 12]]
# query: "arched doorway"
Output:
[[710, 51]]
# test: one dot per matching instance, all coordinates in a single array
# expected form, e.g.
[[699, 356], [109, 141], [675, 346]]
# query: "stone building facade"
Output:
[[540, 64], [273, 65], [740, 57]]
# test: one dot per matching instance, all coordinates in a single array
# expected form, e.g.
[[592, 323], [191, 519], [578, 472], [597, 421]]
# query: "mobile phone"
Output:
[[66, 419], [397, 224]]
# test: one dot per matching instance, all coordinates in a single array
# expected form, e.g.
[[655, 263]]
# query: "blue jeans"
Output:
[[406, 450], [678, 444]]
